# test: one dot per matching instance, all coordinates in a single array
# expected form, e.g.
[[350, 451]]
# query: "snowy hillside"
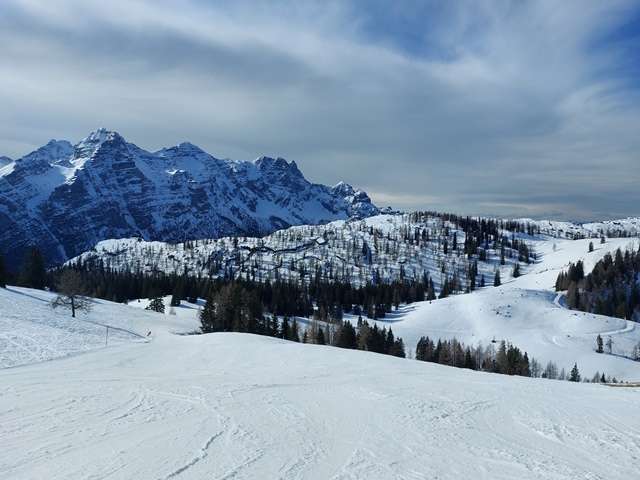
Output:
[[241, 406], [527, 312], [378, 249]]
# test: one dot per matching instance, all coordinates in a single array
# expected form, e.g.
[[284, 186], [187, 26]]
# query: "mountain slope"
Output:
[[66, 198]]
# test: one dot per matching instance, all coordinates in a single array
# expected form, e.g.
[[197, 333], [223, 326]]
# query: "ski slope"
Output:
[[169, 405], [241, 406]]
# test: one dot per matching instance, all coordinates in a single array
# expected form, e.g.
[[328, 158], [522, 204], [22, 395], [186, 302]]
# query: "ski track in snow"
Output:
[[227, 406]]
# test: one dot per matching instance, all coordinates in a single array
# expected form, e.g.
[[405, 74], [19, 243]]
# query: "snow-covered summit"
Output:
[[65, 198]]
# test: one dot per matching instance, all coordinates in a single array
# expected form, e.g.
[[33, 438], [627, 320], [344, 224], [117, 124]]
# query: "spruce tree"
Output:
[[33, 273], [156, 302], [320, 340], [3, 272], [516, 270], [599, 342], [496, 279], [208, 318], [575, 374], [294, 334]]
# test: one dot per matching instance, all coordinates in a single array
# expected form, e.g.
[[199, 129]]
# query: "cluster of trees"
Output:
[[507, 359], [235, 308], [610, 289], [481, 234], [284, 297], [32, 273], [368, 337]]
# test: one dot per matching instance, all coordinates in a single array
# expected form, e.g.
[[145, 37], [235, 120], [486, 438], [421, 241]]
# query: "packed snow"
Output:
[[152, 401]]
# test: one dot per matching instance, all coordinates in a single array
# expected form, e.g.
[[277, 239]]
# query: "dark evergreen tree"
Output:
[[177, 294], [208, 318], [33, 273], [516, 270], [294, 334], [397, 349], [3, 272], [600, 344], [346, 336], [575, 374], [496, 279], [285, 330], [320, 340], [156, 302]]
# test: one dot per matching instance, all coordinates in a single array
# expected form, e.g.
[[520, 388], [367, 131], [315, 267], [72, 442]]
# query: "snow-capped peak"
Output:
[[103, 187], [96, 139]]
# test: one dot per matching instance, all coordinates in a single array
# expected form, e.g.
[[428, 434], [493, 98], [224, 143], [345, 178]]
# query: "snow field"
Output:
[[241, 406]]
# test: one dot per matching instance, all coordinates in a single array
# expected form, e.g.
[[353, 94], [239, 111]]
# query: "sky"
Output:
[[514, 109]]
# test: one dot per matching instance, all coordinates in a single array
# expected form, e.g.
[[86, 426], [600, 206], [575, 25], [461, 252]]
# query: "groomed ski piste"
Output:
[[76, 404]]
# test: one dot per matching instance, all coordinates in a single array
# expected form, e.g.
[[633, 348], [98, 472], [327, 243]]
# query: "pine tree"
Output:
[[575, 374], [3, 272], [320, 340], [175, 297], [156, 302], [208, 318], [294, 334], [285, 330], [496, 279], [33, 273], [599, 342], [516, 270]]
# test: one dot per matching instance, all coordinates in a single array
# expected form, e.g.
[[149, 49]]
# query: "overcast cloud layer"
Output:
[[488, 107]]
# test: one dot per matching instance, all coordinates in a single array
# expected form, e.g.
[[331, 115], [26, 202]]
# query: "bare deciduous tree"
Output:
[[71, 288]]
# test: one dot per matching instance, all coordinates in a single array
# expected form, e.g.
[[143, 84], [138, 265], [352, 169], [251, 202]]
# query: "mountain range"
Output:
[[66, 198]]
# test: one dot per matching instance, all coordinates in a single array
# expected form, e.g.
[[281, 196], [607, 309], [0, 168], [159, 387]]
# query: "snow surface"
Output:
[[169, 405]]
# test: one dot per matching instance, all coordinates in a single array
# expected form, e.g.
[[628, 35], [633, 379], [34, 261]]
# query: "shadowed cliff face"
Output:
[[65, 198]]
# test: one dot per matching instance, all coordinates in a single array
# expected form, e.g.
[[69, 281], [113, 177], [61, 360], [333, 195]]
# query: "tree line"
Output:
[[235, 308], [610, 289], [506, 359]]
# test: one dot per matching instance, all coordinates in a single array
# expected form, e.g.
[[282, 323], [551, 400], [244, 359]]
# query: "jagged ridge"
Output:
[[65, 198]]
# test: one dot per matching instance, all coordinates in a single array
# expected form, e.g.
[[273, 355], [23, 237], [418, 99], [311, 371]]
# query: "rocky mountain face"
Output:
[[66, 198]]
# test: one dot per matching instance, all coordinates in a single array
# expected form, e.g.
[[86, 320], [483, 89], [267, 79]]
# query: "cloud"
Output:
[[474, 107]]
